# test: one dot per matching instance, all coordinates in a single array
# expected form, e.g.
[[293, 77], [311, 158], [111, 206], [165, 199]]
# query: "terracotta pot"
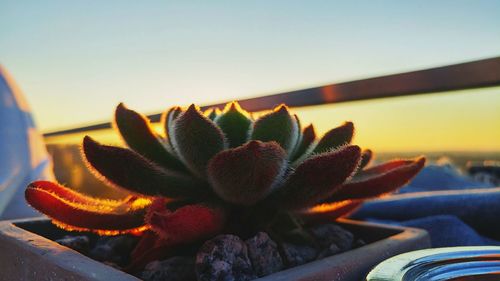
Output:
[[27, 252]]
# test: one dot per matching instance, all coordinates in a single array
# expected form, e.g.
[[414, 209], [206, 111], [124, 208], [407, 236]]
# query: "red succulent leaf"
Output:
[[171, 229], [136, 131], [68, 193], [329, 212], [248, 173], [379, 180], [151, 247], [74, 211], [335, 138], [148, 240], [318, 177], [186, 224]]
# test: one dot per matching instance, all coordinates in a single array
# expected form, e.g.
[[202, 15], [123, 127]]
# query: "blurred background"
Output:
[[76, 60]]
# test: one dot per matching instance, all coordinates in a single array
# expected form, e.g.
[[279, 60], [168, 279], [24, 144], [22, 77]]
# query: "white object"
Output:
[[23, 157]]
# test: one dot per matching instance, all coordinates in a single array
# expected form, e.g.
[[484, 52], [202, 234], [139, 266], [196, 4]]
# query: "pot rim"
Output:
[[393, 240]]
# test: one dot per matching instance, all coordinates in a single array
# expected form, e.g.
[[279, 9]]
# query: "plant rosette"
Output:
[[213, 178]]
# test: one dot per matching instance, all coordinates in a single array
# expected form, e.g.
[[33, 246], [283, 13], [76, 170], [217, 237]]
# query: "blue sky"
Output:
[[75, 60]]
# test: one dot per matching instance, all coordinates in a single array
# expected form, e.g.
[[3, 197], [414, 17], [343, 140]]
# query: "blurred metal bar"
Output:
[[476, 74]]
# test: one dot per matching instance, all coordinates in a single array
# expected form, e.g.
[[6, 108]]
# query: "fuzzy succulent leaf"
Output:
[[136, 131], [212, 113], [148, 240], [248, 173], [308, 137], [329, 212], [186, 224], [77, 211], [299, 132], [278, 126], [151, 247], [366, 158], [335, 138], [196, 140], [168, 120], [68, 194], [129, 170], [318, 177], [235, 123], [379, 180]]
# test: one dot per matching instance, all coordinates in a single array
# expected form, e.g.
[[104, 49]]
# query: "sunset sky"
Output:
[[75, 60]]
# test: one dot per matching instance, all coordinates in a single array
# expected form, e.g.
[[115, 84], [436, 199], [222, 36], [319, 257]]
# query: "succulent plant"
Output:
[[219, 171]]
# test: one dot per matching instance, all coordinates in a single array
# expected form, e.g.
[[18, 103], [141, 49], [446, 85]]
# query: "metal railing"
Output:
[[476, 74]]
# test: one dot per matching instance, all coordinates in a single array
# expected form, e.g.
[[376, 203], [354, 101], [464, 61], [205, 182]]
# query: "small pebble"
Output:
[[77, 243], [264, 255], [115, 249], [224, 257], [333, 249], [327, 234], [298, 254]]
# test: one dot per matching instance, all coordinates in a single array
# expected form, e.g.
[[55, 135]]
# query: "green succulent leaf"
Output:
[[212, 113], [129, 170], [136, 131], [235, 123], [308, 137], [318, 177], [335, 138], [168, 120], [196, 140], [298, 140], [278, 126], [248, 173], [378, 180]]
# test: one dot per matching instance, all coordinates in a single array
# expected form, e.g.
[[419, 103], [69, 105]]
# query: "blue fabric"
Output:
[[441, 177], [454, 209]]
